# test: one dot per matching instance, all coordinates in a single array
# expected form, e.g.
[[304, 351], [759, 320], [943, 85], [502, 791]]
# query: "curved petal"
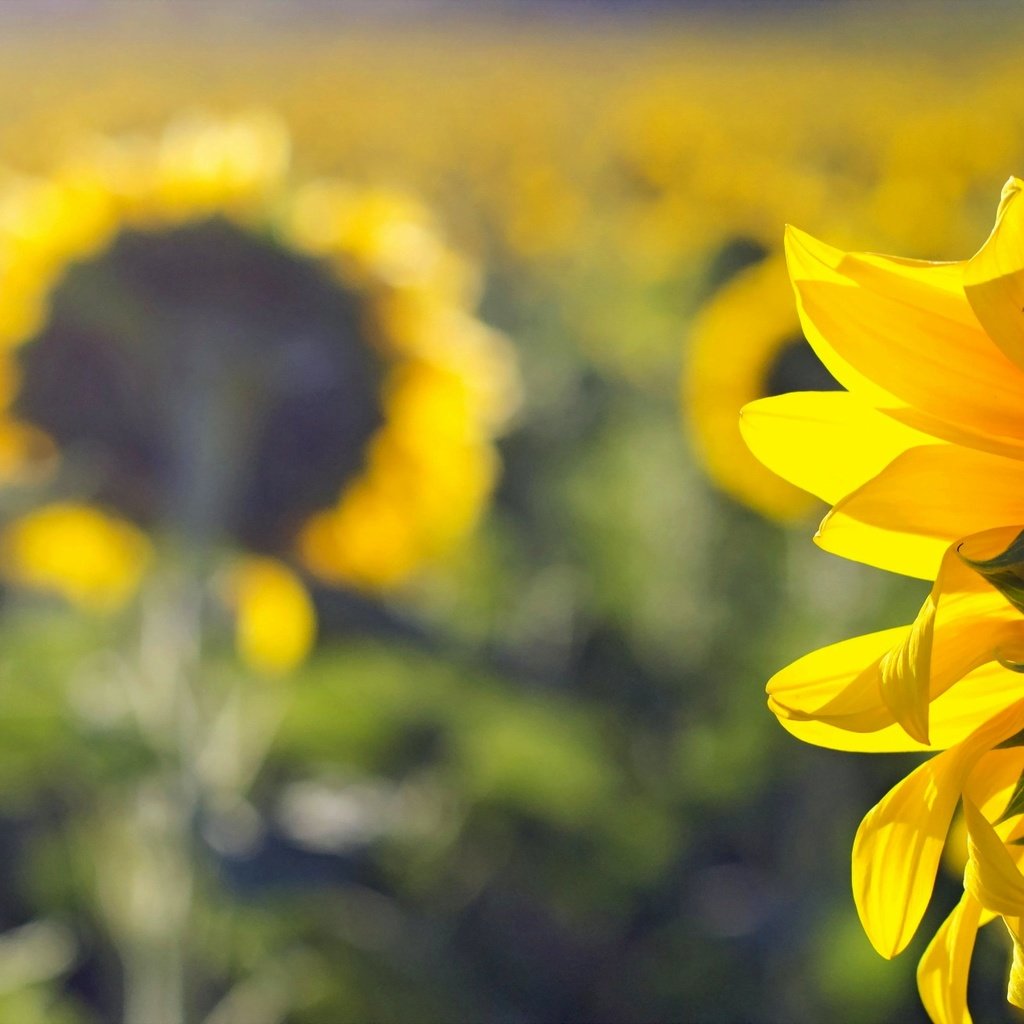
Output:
[[992, 877], [897, 332], [904, 518], [864, 685], [898, 845], [1015, 984], [973, 701], [825, 442], [962, 624], [838, 684], [994, 276], [991, 785], [943, 969], [897, 849]]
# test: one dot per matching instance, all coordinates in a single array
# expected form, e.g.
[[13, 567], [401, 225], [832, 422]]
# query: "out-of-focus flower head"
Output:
[[243, 361], [747, 344]]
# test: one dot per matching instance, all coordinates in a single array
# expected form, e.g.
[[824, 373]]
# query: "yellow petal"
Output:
[[943, 969], [975, 699], [898, 845], [1015, 985], [863, 685], [838, 684], [828, 443], [963, 622], [897, 849], [992, 783], [904, 673], [992, 877], [904, 518], [896, 332], [994, 277]]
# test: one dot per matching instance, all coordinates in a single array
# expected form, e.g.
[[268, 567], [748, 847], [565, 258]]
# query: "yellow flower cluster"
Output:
[[449, 382], [922, 460], [600, 172], [686, 137]]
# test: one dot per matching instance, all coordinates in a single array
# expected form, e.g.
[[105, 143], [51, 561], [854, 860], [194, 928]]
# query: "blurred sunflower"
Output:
[[747, 344], [226, 357], [923, 461]]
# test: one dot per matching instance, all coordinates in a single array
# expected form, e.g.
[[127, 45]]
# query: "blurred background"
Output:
[[387, 594]]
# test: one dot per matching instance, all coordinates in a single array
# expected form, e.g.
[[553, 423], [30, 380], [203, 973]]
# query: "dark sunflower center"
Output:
[[204, 379], [796, 367]]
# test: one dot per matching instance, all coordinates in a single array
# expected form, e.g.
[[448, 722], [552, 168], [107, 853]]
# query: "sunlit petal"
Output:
[[897, 332], [898, 845], [865, 684], [943, 969], [904, 519], [994, 277], [961, 709], [991, 876], [827, 442], [897, 849]]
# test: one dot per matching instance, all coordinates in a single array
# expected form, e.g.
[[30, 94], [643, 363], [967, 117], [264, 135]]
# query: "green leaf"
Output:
[[1005, 572]]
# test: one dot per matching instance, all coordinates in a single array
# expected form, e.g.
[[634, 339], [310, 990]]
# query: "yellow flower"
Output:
[[355, 438], [746, 344], [91, 559], [922, 460], [275, 623]]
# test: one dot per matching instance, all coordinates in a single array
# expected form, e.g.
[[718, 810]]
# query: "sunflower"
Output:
[[922, 460], [233, 358], [746, 344]]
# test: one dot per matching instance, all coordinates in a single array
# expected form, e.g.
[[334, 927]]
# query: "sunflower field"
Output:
[[387, 590]]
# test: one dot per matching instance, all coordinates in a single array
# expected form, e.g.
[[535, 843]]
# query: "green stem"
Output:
[[154, 932]]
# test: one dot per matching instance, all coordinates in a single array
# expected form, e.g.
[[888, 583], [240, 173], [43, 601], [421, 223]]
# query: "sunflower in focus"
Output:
[[224, 357], [747, 344], [922, 461]]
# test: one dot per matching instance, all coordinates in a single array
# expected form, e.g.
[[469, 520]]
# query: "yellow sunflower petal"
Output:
[[904, 674], [896, 332], [1015, 985], [992, 877], [898, 845], [904, 518], [897, 849], [991, 785], [943, 969], [827, 442], [961, 709], [866, 684], [994, 277], [962, 624], [837, 684]]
